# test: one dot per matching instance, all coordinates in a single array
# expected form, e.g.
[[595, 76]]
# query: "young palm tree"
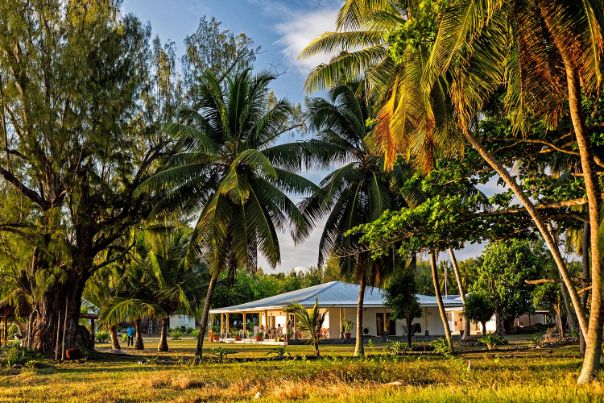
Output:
[[547, 53], [310, 322], [174, 283], [356, 193], [231, 168]]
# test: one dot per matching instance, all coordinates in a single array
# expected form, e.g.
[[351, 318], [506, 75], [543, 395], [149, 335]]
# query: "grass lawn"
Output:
[[511, 373]]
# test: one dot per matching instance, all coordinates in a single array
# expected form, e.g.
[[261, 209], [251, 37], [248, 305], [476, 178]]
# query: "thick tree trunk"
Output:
[[539, 223], [204, 316], [462, 293], [138, 336], [115, 343], [439, 300], [359, 350], [585, 278], [49, 307], [484, 328], [163, 336]]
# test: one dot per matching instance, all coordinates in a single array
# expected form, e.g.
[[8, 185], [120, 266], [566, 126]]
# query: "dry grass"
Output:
[[530, 375]]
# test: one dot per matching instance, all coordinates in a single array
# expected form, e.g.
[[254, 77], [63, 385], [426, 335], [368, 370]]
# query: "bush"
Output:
[[195, 332], [397, 348], [102, 336], [175, 334], [441, 347], [14, 354], [491, 341]]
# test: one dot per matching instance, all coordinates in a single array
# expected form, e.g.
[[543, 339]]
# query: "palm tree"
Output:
[[548, 53], [231, 168], [100, 290], [356, 193], [174, 282], [310, 322]]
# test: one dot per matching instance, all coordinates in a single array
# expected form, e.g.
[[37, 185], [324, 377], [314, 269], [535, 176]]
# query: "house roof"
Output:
[[334, 294]]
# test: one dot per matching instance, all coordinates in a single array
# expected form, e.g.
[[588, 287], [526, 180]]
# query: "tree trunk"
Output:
[[539, 223], [484, 328], [499, 326], [571, 318], [593, 336], [409, 331], [138, 336], [462, 293], [439, 300], [115, 343], [593, 348], [49, 307], [585, 278], [359, 350], [163, 336], [204, 316]]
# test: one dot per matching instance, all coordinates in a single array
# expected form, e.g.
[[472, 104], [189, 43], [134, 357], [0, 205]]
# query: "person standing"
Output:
[[130, 331]]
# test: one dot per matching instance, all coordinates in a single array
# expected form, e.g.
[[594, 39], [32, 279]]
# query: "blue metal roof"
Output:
[[334, 294]]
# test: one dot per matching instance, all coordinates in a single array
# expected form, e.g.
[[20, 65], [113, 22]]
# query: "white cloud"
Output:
[[298, 30]]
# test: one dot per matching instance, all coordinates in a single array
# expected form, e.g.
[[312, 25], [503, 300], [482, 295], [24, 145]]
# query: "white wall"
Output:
[[177, 321]]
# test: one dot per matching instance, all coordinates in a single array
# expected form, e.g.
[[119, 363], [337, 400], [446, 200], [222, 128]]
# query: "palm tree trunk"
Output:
[[439, 300], [204, 316], [359, 351], [115, 343], [585, 278], [163, 336], [138, 336], [593, 347], [593, 338], [462, 293], [539, 223]]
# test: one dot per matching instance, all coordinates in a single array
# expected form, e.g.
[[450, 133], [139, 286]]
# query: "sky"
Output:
[[282, 28]]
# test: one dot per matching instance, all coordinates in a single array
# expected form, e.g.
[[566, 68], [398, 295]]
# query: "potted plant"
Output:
[[259, 336], [347, 328], [238, 336], [215, 336]]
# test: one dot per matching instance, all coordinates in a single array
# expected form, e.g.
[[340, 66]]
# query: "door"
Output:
[[379, 324]]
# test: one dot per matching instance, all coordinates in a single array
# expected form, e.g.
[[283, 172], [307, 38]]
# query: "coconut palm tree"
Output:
[[547, 54], [232, 169], [174, 283], [353, 194], [310, 321]]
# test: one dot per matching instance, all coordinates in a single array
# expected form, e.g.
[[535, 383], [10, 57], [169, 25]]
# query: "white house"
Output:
[[182, 321], [339, 301]]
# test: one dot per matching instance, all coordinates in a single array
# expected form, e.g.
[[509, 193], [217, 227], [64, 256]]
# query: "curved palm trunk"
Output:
[[593, 340], [439, 300], [462, 293], [359, 350], [138, 336], [163, 336], [115, 343], [539, 223], [204, 316], [585, 278], [593, 336]]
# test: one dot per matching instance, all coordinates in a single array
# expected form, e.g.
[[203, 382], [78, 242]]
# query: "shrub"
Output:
[[279, 352], [441, 347], [195, 332], [175, 334], [491, 341], [14, 354], [102, 336], [397, 348]]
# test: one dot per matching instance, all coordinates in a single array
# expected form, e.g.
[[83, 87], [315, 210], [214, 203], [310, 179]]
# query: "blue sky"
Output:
[[281, 28]]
